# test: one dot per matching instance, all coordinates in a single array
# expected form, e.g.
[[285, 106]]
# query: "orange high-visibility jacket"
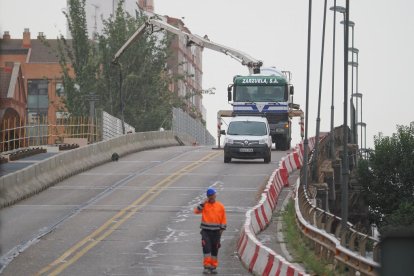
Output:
[[213, 216]]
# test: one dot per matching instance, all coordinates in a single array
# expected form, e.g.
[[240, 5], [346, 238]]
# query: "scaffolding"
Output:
[[17, 133]]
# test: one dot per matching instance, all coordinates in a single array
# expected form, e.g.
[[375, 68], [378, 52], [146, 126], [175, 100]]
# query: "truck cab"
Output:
[[268, 94], [248, 137]]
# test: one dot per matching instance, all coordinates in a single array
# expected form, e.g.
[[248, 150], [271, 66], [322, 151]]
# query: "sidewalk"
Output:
[[20, 164]]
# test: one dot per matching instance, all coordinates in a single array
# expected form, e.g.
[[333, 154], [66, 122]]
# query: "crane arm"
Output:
[[138, 33], [245, 59]]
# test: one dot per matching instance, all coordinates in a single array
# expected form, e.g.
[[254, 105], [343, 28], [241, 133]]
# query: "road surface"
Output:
[[132, 217]]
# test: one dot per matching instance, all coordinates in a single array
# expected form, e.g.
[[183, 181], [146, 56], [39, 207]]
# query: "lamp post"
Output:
[[305, 141], [361, 124], [354, 112], [342, 10], [345, 161], [356, 65], [351, 107], [318, 119], [121, 98]]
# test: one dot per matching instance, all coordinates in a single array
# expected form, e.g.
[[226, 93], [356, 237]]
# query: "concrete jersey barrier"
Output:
[[37, 177]]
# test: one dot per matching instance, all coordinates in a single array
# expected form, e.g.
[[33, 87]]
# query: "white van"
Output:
[[248, 137]]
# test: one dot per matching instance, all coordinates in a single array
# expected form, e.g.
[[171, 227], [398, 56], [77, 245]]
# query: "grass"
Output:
[[297, 245]]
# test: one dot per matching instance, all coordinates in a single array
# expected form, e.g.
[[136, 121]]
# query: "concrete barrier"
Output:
[[256, 257], [39, 176]]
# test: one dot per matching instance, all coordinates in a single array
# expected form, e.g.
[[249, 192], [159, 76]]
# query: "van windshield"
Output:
[[247, 128]]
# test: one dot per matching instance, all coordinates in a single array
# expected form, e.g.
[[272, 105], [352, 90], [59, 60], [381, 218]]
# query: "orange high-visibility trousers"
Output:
[[210, 240]]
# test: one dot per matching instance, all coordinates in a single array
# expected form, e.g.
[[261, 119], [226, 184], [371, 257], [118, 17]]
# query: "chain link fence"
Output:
[[182, 122]]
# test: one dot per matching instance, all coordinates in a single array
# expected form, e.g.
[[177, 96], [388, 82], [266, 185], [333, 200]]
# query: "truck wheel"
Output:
[[281, 145], [227, 159]]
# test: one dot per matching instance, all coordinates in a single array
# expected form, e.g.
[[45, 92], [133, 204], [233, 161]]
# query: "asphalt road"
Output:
[[132, 217]]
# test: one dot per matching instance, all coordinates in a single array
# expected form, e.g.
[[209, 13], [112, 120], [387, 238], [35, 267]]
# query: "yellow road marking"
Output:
[[117, 220]]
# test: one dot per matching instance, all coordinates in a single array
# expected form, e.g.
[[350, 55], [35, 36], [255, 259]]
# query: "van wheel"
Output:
[[268, 157], [227, 159]]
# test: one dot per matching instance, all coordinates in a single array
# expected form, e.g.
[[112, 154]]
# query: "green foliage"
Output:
[[81, 55], [401, 218], [298, 244], [139, 76], [388, 179], [147, 101]]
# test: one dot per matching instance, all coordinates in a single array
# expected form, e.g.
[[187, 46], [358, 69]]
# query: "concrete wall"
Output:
[[37, 177]]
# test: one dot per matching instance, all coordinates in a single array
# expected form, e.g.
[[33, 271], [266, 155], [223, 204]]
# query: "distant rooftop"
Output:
[[42, 50]]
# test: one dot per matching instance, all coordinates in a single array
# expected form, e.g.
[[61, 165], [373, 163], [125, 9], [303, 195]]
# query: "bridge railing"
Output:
[[352, 249]]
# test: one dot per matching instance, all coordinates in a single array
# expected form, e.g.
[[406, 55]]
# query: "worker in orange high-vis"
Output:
[[213, 223]]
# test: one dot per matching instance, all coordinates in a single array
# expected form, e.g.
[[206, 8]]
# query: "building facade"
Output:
[[97, 10], [31, 77], [31, 69], [186, 63]]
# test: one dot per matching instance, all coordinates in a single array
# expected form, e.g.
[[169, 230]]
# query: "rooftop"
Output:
[[42, 50]]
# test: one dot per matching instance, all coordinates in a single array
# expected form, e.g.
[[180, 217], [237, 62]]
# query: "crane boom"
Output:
[[192, 39]]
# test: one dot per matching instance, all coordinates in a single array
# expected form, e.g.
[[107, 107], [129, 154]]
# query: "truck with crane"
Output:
[[264, 92], [269, 94]]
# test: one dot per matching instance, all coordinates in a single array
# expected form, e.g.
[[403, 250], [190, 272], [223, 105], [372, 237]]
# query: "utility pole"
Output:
[[345, 161], [315, 169], [306, 142]]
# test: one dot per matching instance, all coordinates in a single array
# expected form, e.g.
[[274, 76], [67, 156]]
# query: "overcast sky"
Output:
[[275, 31]]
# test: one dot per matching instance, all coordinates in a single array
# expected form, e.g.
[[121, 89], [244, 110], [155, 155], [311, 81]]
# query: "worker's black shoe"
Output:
[[213, 270]]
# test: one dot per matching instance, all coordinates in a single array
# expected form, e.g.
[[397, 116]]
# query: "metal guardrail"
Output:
[[351, 249]]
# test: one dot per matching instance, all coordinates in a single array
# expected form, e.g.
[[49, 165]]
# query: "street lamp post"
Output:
[[358, 99], [356, 65], [332, 136], [351, 107], [345, 161], [306, 142], [121, 98], [342, 10], [318, 119], [354, 112]]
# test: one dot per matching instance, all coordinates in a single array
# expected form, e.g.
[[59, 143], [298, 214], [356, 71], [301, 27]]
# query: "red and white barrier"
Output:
[[254, 255]]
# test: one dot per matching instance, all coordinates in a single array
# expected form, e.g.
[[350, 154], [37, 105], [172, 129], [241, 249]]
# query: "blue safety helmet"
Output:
[[211, 192]]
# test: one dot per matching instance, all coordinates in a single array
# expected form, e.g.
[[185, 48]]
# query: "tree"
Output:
[[140, 75], [387, 178], [81, 55]]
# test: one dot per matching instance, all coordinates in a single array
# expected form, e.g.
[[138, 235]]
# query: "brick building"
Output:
[[186, 61], [30, 79], [31, 83]]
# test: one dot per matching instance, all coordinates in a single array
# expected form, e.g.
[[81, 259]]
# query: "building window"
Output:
[[37, 100]]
